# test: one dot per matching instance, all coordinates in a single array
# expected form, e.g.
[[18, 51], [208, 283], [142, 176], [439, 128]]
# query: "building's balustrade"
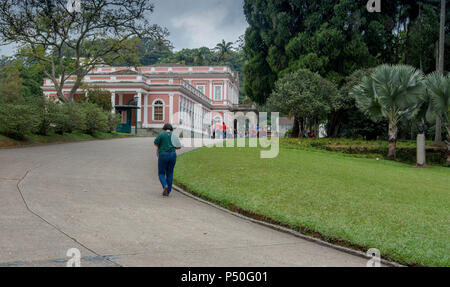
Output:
[[165, 69], [185, 69], [195, 91]]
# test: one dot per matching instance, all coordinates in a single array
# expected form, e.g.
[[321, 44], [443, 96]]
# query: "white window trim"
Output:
[[221, 93], [153, 110]]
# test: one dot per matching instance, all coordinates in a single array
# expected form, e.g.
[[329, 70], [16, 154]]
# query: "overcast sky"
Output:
[[194, 23]]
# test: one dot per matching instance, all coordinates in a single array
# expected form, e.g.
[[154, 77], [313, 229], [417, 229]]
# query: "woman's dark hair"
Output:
[[168, 127]]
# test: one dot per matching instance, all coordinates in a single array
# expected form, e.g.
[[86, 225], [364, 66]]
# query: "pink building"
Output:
[[165, 90]]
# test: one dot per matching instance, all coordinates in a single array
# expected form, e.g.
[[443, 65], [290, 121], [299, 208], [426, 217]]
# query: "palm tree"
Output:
[[438, 88], [224, 49], [392, 92]]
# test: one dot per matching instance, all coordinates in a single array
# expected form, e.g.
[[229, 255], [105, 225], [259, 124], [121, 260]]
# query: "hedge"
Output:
[[406, 150], [21, 119], [18, 120]]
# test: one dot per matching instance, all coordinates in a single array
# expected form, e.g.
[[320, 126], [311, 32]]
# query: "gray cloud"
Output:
[[198, 23], [194, 23]]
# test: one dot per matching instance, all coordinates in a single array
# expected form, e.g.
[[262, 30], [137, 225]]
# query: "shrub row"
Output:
[[406, 150], [17, 120]]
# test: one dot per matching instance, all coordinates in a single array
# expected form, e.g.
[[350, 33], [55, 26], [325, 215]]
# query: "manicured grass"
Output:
[[55, 138], [403, 211]]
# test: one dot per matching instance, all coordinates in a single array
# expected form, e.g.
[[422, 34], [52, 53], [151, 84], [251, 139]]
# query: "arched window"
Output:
[[158, 111]]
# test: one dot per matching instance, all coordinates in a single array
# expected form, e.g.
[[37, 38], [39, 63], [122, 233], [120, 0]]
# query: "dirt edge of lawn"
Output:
[[360, 250]]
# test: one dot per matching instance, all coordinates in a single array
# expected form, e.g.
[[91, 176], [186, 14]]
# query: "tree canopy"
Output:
[[55, 36], [303, 94], [335, 38]]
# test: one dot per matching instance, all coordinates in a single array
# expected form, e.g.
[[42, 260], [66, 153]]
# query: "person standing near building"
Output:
[[167, 143], [218, 130], [224, 130]]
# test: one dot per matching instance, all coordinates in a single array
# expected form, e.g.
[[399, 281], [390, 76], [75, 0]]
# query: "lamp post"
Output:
[[136, 99]]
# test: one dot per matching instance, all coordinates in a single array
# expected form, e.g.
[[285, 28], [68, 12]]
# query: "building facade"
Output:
[[189, 97]]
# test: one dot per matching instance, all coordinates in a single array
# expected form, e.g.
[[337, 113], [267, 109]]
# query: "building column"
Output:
[[113, 101], [145, 109], [226, 89], [139, 111], [171, 108], [211, 92]]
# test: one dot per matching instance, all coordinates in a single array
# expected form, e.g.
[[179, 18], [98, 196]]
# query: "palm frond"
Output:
[[439, 90], [366, 98]]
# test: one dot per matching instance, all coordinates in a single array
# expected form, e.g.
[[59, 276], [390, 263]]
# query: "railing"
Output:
[[195, 91]]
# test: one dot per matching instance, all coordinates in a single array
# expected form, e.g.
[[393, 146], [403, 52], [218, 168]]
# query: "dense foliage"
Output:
[[71, 43], [304, 95], [20, 119], [17, 120], [336, 38]]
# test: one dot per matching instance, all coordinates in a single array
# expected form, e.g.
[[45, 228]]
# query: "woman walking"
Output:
[[167, 143]]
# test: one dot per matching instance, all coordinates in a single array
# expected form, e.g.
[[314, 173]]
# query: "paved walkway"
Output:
[[103, 198]]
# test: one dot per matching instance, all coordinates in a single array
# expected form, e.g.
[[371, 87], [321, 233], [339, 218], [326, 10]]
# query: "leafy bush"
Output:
[[96, 119], [101, 98], [42, 114], [288, 133], [67, 117], [18, 120], [113, 121]]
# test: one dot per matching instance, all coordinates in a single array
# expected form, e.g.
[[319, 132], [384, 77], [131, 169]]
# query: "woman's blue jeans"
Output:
[[166, 165]]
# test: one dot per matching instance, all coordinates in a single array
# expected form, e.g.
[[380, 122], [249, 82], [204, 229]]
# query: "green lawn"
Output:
[[55, 138], [358, 202]]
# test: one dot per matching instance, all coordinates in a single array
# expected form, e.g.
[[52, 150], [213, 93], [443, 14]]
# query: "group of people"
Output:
[[220, 131]]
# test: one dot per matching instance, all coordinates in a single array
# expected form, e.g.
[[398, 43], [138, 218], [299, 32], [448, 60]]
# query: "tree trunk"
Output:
[[335, 123], [393, 131], [448, 145], [421, 62], [316, 128], [301, 134], [437, 55], [438, 130], [296, 128], [420, 32], [442, 38]]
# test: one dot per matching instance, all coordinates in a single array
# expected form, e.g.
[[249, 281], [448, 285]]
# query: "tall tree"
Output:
[[333, 38], [52, 33], [442, 37], [423, 35], [438, 134], [304, 95]]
